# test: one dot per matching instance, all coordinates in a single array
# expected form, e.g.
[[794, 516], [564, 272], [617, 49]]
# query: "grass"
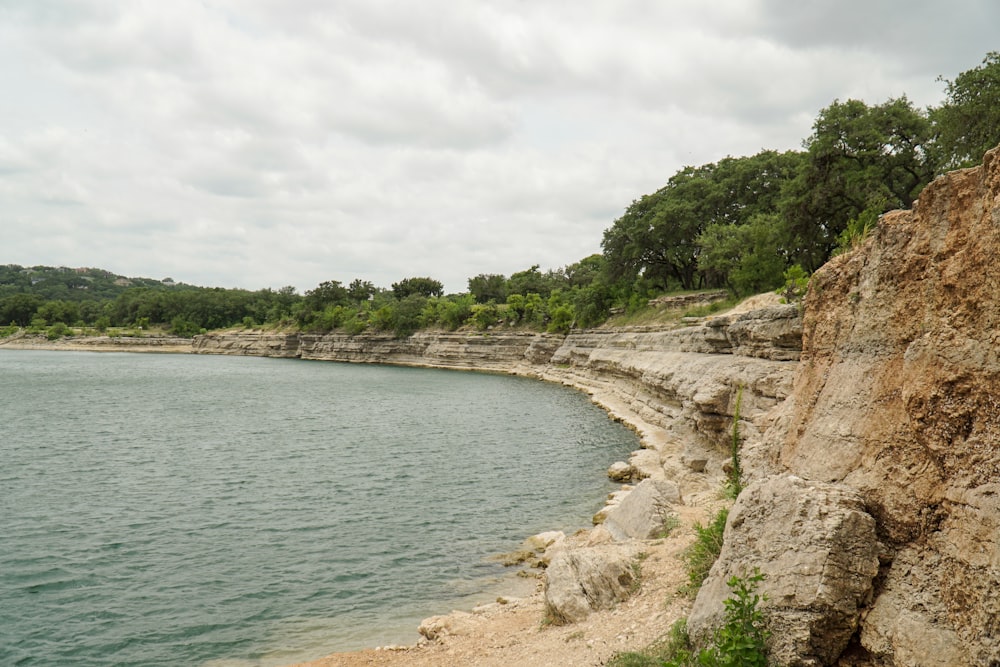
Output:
[[674, 648], [650, 315], [702, 554]]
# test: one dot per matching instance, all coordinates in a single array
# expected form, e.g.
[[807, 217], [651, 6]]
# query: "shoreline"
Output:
[[511, 630], [143, 345]]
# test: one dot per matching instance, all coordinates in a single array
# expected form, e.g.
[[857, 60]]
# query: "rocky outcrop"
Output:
[[816, 545], [643, 513], [896, 402], [586, 578]]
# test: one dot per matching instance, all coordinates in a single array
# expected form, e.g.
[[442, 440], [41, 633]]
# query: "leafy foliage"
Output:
[[968, 123], [742, 639], [734, 481], [859, 158]]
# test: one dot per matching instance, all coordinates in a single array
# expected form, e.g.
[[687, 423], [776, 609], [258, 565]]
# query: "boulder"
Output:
[[643, 513], [817, 548], [619, 471], [583, 579]]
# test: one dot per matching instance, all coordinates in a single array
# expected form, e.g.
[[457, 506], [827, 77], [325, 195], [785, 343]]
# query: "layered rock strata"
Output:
[[677, 386], [896, 402]]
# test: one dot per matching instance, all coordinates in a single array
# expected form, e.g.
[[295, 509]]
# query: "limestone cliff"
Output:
[[896, 402], [874, 461], [680, 382]]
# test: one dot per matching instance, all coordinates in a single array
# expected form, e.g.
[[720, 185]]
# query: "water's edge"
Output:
[[653, 381]]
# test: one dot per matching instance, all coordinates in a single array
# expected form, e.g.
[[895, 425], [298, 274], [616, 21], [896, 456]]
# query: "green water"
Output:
[[174, 509]]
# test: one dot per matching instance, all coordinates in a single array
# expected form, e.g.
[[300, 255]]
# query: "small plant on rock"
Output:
[[734, 482], [742, 639]]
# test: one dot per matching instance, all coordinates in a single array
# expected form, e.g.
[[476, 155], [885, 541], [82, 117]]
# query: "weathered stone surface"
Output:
[[620, 471], [818, 549], [582, 579], [643, 512], [455, 623], [898, 396], [770, 333]]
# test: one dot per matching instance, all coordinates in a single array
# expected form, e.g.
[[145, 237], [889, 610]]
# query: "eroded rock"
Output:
[[816, 546], [582, 579], [644, 512]]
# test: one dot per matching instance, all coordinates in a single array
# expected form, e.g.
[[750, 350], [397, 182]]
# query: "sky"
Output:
[[267, 143]]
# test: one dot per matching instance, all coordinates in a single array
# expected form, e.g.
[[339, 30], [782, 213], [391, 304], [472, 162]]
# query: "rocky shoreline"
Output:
[[675, 387]]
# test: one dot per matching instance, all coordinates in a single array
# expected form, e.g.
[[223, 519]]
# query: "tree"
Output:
[[968, 123], [529, 281], [858, 156], [658, 236], [328, 293], [426, 287], [360, 290], [19, 309], [746, 258], [488, 287]]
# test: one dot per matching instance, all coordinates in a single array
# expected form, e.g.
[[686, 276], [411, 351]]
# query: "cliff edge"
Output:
[[885, 460]]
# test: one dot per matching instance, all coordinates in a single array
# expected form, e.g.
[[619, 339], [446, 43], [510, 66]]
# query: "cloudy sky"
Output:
[[263, 143]]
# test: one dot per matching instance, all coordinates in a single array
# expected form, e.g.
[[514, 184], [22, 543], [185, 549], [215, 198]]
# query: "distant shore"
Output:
[[157, 344]]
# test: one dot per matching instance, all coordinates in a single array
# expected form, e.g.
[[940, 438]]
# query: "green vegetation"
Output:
[[705, 550], [672, 649], [744, 224], [741, 641]]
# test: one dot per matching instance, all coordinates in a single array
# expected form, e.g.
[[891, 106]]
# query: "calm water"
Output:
[[174, 509]]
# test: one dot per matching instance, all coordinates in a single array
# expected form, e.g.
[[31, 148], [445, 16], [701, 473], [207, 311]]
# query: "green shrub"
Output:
[[701, 555], [796, 284], [742, 639], [58, 330]]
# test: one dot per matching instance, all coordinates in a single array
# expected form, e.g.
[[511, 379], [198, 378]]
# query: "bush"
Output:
[[58, 330], [741, 641], [562, 319]]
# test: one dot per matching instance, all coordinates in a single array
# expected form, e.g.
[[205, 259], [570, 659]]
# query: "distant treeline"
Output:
[[747, 224]]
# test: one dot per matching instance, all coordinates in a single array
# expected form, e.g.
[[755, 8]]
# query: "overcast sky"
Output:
[[264, 143]]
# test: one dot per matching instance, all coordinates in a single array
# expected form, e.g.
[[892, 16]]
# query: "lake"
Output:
[[202, 510]]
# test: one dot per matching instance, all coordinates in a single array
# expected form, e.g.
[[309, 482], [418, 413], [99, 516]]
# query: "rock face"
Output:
[[816, 546], [897, 400]]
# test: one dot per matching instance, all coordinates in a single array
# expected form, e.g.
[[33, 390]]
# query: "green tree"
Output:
[[529, 281], [747, 258], [425, 287], [659, 237], [858, 156], [19, 308], [967, 124], [360, 290], [488, 287]]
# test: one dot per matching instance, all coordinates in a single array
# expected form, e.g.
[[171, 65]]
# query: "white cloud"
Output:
[[264, 143]]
